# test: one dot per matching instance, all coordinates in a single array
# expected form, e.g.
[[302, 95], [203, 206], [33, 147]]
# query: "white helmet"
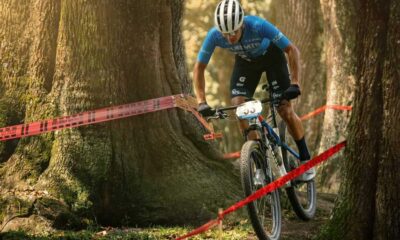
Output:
[[228, 16]]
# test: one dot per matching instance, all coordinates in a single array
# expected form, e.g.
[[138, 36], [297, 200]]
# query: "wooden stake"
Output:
[[220, 224]]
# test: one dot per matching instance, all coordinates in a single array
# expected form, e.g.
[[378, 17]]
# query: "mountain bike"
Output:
[[263, 159]]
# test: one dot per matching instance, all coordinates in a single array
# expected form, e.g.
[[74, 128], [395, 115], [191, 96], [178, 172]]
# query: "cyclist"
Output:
[[258, 47]]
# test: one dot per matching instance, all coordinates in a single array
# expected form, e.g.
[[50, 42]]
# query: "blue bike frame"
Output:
[[278, 141]]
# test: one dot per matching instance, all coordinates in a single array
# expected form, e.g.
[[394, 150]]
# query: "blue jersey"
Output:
[[257, 35]]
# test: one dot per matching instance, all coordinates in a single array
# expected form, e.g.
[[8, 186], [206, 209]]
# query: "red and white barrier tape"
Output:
[[268, 188], [87, 118], [103, 115]]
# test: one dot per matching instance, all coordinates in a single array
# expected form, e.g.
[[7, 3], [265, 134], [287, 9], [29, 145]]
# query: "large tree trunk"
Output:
[[233, 138], [74, 56], [338, 39], [367, 207], [301, 21]]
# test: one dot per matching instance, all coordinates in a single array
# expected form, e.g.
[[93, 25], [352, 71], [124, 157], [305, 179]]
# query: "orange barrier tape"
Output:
[[190, 104], [304, 117], [232, 155], [268, 188], [324, 108]]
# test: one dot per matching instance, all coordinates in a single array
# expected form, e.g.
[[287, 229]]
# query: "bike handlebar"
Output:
[[263, 101], [220, 114]]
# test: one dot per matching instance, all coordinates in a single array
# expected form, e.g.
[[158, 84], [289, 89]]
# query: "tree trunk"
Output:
[[301, 22], [387, 222], [338, 39], [82, 55], [14, 56], [367, 207], [233, 138]]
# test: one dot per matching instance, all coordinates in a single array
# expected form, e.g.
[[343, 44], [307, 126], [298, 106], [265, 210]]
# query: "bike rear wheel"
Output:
[[302, 195], [265, 212]]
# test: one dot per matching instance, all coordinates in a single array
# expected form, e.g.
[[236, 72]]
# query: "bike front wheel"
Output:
[[302, 195], [265, 212]]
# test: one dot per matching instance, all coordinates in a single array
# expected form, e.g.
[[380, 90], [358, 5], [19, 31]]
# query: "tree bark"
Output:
[[387, 222], [367, 207], [14, 56], [338, 40], [149, 169]]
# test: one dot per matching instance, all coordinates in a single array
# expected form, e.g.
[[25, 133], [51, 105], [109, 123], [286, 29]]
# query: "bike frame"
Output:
[[265, 125], [270, 131], [275, 137]]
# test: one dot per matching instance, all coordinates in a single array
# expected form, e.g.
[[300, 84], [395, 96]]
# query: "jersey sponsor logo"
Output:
[[240, 84], [238, 92], [236, 48], [242, 79], [244, 57], [276, 95], [251, 46], [277, 38], [244, 48], [252, 40], [205, 52]]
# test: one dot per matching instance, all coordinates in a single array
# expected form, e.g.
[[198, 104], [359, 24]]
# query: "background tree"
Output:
[[64, 57], [317, 29], [338, 40], [367, 207], [301, 22]]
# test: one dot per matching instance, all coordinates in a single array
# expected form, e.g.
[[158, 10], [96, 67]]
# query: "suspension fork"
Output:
[[273, 145]]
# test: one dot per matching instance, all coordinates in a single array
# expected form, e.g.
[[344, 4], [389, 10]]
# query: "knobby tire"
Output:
[[306, 212], [252, 158]]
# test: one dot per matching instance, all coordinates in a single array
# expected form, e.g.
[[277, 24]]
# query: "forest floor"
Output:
[[292, 229]]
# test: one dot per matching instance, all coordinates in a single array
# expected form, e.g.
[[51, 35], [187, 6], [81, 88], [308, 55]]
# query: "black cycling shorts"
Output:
[[247, 74]]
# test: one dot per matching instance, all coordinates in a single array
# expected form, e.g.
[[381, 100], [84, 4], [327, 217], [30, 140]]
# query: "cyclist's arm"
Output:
[[294, 63], [199, 81], [279, 39]]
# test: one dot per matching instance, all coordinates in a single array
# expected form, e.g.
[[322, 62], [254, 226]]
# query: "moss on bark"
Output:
[[138, 171]]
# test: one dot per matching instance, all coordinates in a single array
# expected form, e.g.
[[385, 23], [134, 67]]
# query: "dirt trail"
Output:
[[293, 228]]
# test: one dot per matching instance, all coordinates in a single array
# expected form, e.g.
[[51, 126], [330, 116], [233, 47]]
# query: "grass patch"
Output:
[[231, 232]]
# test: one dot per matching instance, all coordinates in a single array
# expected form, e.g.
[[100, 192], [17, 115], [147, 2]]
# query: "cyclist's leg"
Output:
[[279, 78], [295, 127], [244, 80]]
